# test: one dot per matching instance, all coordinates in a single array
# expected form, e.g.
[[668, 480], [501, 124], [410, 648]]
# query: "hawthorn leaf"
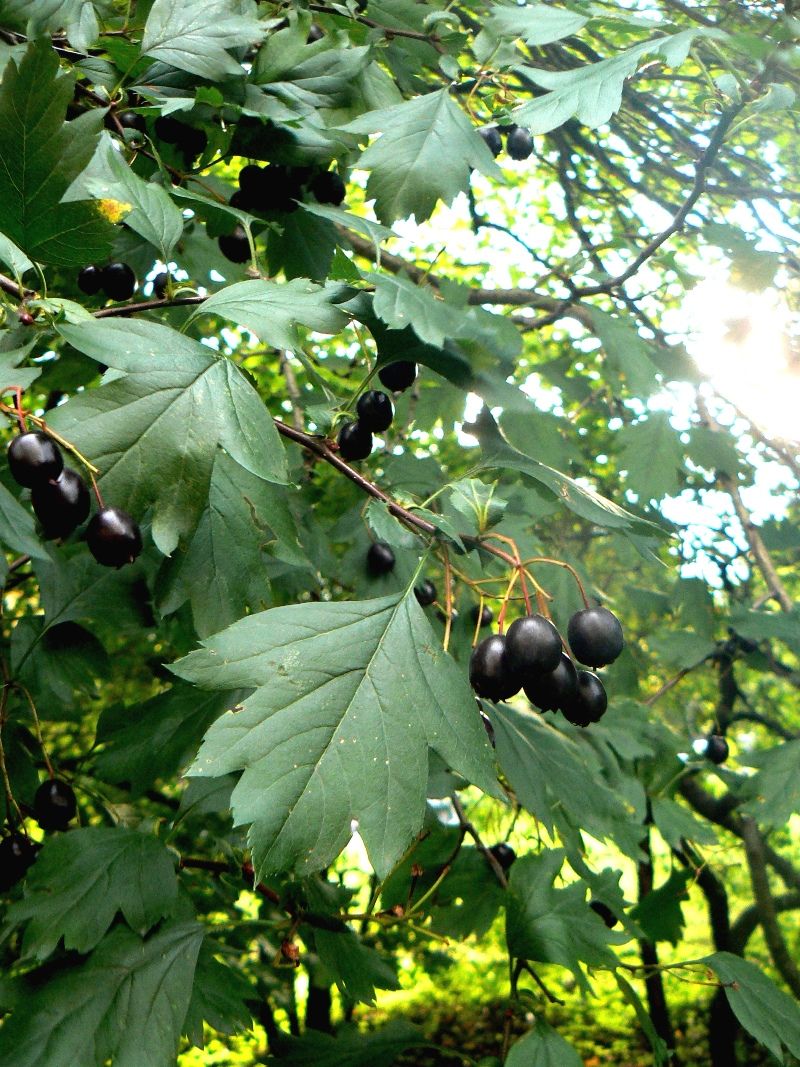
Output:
[[194, 35], [652, 454], [555, 925], [40, 156], [627, 351], [11, 374], [660, 912], [399, 302], [82, 879], [155, 430], [536, 24], [542, 1047], [350, 1048], [357, 969], [100, 1009], [12, 256], [17, 527], [349, 698], [426, 150], [272, 310], [218, 997], [764, 1010], [773, 794]]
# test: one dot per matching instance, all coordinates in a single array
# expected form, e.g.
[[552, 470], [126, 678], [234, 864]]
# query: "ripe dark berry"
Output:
[[425, 593], [487, 615], [160, 283], [549, 692], [494, 142], [54, 805], [129, 120], [375, 411], [90, 280], [329, 188], [717, 749], [380, 559], [589, 702], [355, 441], [235, 246], [17, 853], [192, 142], [533, 646], [113, 537], [251, 180], [34, 458], [519, 143], [605, 913], [61, 504], [398, 376], [504, 854], [315, 33], [119, 281], [168, 129], [595, 636], [489, 675]]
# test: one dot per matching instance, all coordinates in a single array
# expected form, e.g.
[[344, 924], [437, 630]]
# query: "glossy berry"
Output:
[[329, 188], [489, 675], [17, 853], [315, 33], [486, 613], [34, 458], [425, 593], [398, 376], [355, 441], [504, 854], [375, 411], [380, 559], [494, 142], [129, 120], [717, 749], [595, 636], [113, 537], [589, 703], [533, 646], [549, 692], [119, 281], [519, 143], [90, 280], [235, 246], [61, 504], [54, 805], [605, 913], [160, 283]]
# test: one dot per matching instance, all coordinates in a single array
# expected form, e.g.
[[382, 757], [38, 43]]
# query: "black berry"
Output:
[[119, 281], [549, 692], [34, 458], [355, 441], [329, 188], [90, 280], [54, 805], [160, 283], [589, 702], [494, 142], [375, 411], [235, 246], [192, 142], [504, 854], [489, 674], [717, 749], [486, 613], [315, 33], [251, 180], [17, 853], [519, 143], [380, 559], [533, 646], [113, 537], [425, 592], [398, 376], [605, 913], [130, 120], [595, 636], [61, 504]]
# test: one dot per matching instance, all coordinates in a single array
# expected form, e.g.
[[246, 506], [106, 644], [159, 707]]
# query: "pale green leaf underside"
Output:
[[536, 24], [349, 699]]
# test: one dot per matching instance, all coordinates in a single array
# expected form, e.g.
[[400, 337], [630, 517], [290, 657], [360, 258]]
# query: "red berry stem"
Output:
[[566, 566], [96, 490]]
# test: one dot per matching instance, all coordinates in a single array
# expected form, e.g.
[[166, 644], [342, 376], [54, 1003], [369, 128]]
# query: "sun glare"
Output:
[[740, 341]]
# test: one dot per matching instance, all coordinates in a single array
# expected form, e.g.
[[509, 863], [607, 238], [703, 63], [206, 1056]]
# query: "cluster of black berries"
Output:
[[276, 190], [375, 411], [188, 140], [116, 280], [54, 808], [61, 501], [530, 657], [381, 560], [519, 143]]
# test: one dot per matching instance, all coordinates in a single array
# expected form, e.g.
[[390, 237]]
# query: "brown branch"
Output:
[[767, 913], [746, 924], [220, 867], [468, 828]]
